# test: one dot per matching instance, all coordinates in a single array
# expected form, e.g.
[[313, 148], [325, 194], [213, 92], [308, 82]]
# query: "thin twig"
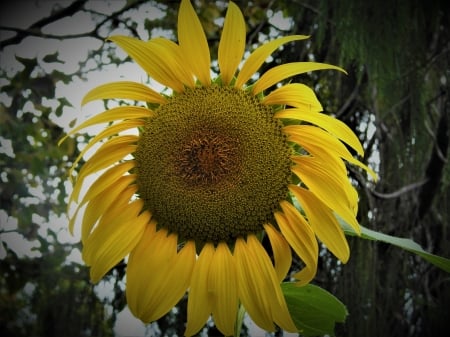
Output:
[[400, 191]]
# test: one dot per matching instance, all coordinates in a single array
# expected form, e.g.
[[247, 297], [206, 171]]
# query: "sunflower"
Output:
[[212, 168]]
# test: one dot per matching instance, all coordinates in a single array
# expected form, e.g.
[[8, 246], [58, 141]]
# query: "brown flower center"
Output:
[[206, 158]]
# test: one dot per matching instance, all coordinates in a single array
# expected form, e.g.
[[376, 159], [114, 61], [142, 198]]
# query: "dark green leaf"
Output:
[[63, 102], [406, 244], [43, 86], [314, 310], [51, 58], [29, 64], [60, 76]]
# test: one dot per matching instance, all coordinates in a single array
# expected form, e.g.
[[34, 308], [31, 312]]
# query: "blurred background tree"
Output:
[[396, 99]]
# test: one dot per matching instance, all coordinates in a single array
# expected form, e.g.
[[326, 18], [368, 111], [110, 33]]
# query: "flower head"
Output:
[[213, 166]]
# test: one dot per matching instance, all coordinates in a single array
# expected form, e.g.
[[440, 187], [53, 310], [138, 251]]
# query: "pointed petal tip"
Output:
[[259, 55], [302, 279], [193, 43], [286, 70], [232, 43]]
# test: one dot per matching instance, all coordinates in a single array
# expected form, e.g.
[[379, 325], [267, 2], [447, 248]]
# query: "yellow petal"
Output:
[[109, 153], [100, 203], [157, 276], [259, 289], [281, 72], [185, 73], [193, 43], [323, 222], [259, 55], [177, 278], [252, 283], [200, 299], [330, 167], [301, 238], [281, 251], [124, 90], [294, 94], [332, 160], [328, 123], [154, 58], [333, 189], [222, 284], [109, 131], [119, 113], [142, 266], [317, 141], [107, 207], [111, 242], [232, 43], [121, 203], [106, 179], [354, 198]]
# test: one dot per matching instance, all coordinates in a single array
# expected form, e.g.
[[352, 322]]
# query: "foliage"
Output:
[[407, 244], [396, 98], [314, 310]]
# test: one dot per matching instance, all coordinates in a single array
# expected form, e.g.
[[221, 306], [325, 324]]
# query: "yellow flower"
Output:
[[213, 166]]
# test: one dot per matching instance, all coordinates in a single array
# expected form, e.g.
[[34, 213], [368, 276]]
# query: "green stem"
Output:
[[239, 321]]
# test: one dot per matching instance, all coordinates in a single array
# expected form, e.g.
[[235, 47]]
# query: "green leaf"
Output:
[[60, 76], [406, 244], [63, 102], [314, 310], [52, 58], [29, 64]]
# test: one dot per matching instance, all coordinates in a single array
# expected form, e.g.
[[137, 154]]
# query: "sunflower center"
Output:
[[213, 164], [206, 158]]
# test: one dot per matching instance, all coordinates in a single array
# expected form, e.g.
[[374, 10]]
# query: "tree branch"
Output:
[[38, 33], [400, 191], [349, 100], [37, 26], [435, 166]]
